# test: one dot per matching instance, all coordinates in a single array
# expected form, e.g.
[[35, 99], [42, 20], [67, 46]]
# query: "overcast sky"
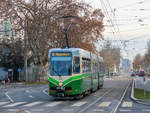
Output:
[[131, 20]]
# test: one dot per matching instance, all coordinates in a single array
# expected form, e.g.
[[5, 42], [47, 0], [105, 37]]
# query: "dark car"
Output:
[[141, 73], [133, 74]]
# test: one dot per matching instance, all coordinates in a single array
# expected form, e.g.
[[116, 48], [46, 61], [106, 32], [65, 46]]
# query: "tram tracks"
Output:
[[105, 94], [122, 97]]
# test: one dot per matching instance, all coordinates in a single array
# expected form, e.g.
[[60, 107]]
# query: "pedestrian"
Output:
[[8, 80]]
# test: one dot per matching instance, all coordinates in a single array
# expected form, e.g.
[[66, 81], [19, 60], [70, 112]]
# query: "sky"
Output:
[[127, 22]]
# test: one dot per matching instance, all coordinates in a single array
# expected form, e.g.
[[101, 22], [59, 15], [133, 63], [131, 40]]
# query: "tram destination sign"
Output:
[[55, 54]]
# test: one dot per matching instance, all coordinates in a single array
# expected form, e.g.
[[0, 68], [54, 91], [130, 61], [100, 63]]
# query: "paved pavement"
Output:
[[35, 99], [139, 83]]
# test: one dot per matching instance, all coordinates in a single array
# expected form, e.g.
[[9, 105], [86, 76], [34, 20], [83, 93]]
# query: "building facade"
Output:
[[126, 65]]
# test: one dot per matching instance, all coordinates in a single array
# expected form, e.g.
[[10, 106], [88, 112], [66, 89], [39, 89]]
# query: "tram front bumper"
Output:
[[60, 91]]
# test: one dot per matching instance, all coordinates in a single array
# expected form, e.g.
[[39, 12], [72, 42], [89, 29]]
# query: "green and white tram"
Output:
[[74, 72]]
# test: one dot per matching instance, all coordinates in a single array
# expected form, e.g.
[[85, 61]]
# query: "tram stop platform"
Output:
[[143, 84]]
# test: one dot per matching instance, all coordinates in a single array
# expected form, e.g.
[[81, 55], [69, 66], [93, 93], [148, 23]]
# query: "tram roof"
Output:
[[77, 51]]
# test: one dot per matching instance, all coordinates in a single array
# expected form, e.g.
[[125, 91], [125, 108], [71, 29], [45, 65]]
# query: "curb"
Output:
[[140, 101]]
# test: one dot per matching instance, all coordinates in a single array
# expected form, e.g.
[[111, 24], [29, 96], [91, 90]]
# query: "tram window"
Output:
[[86, 65], [76, 65]]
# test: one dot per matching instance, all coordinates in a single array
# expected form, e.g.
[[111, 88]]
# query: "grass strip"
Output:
[[139, 94]]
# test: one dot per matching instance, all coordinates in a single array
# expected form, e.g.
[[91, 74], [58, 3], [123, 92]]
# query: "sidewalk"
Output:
[[11, 85], [138, 83]]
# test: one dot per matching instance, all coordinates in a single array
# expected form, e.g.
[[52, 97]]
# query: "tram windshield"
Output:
[[61, 66]]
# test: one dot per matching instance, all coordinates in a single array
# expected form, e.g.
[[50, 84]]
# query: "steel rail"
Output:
[[122, 97], [93, 103], [82, 111]]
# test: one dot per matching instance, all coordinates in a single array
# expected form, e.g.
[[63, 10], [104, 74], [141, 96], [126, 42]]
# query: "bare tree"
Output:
[[111, 55], [137, 63], [146, 58], [39, 19]]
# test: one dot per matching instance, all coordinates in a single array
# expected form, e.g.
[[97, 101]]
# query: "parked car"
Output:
[[141, 73]]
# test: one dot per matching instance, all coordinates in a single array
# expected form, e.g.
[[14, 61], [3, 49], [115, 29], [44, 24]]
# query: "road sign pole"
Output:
[[19, 76], [144, 88], [144, 92]]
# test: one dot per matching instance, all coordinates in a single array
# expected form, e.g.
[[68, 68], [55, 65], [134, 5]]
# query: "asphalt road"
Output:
[[36, 100]]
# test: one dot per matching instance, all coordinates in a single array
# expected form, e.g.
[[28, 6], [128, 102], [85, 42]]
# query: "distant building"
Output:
[[126, 65]]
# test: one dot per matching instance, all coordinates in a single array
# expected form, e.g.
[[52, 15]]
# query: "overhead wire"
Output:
[[115, 22], [111, 19], [140, 2]]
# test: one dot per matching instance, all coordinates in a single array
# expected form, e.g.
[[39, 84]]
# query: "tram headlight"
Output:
[[60, 84]]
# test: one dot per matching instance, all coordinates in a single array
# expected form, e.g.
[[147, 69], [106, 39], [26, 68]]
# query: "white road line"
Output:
[[104, 104], [14, 104], [67, 109], [27, 91], [124, 110], [79, 103], [37, 110], [53, 104], [32, 104], [44, 91], [98, 110], [13, 110], [9, 97], [148, 110], [127, 104], [2, 103], [31, 96], [27, 111]]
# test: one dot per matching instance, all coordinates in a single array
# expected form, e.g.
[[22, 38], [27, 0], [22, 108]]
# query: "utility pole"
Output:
[[25, 52]]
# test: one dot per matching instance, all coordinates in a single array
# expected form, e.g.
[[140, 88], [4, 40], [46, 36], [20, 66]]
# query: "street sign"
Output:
[[143, 80], [19, 70]]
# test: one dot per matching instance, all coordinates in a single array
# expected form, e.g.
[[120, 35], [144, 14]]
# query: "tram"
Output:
[[74, 72]]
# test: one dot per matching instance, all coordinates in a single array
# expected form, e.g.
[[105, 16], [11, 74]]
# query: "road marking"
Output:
[[104, 104], [37, 110], [127, 104], [14, 104], [32, 104], [53, 104], [2, 103], [9, 97], [31, 96], [27, 91], [98, 110], [44, 91], [67, 109], [124, 110], [14, 110], [27, 111], [79, 103], [148, 110]]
